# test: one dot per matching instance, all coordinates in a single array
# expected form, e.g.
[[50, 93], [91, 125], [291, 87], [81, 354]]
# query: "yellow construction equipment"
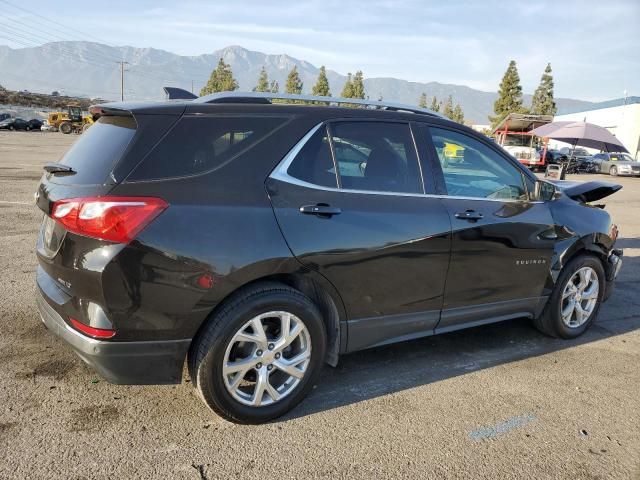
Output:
[[71, 120]]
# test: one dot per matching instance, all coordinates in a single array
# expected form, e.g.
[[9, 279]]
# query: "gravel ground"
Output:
[[500, 401]]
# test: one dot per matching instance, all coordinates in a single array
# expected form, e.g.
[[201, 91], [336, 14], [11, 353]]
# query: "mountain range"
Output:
[[90, 69]]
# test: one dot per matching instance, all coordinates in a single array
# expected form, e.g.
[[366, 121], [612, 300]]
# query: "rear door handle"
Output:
[[322, 210], [471, 215]]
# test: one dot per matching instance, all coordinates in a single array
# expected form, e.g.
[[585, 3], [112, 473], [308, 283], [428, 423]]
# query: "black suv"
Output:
[[257, 241]]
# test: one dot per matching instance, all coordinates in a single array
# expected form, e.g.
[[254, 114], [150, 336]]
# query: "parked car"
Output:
[[47, 127], [575, 152], [259, 241], [4, 116], [13, 124], [34, 124], [554, 157], [617, 164]]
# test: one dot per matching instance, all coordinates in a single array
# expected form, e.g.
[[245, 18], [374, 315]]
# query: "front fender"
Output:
[[580, 228]]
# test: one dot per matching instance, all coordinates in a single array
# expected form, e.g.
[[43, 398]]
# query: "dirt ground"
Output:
[[498, 402]]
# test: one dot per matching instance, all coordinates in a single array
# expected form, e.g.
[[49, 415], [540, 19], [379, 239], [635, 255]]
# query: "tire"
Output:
[[214, 345], [66, 128], [28, 129], [613, 171], [551, 320], [12, 128]]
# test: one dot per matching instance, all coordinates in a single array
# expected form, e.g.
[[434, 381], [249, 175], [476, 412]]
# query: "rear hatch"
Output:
[[72, 251]]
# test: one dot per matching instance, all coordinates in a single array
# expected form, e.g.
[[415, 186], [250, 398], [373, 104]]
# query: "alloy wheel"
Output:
[[267, 358], [580, 297]]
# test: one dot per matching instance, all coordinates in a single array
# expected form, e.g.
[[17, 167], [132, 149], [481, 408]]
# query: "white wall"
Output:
[[623, 121]]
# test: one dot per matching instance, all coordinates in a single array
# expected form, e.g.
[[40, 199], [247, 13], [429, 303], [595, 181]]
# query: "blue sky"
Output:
[[593, 46]]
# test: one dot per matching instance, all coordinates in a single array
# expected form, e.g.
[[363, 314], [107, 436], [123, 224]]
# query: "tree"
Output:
[[274, 87], [221, 80], [458, 114], [263, 82], [435, 105], [509, 96], [347, 90], [321, 88], [448, 108], [358, 86], [422, 103], [294, 84], [543, 103]]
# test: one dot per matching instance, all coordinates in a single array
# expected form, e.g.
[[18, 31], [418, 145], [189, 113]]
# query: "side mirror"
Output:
[[544, 191]]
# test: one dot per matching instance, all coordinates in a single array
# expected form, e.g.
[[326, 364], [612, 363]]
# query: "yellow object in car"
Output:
[[453, 151]]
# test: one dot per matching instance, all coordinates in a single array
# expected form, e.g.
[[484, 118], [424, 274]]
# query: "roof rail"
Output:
[[266, 97]]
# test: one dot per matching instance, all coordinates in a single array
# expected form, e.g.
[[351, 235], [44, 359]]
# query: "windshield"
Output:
[[517, 141]]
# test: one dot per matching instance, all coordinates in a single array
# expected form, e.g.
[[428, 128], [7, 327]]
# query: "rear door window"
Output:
[[370, 156], [97, 151], [376, 156], [199, 144]]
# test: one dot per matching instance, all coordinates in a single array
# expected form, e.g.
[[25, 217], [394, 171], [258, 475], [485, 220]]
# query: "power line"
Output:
[[48, 20], [30, 39], [48, 38]]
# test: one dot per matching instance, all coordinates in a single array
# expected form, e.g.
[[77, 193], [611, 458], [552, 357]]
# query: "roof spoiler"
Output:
[[174, 93], [101, 109]]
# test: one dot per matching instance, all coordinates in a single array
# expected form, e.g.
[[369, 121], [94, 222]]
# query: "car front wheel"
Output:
[[259, 355], [613, 171], [576, 299]]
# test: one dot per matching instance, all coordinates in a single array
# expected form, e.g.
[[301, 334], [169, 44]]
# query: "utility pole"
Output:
[[122, 70], [191, 86]]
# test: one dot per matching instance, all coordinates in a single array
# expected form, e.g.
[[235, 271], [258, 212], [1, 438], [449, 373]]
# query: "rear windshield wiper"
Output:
[[58, 169]]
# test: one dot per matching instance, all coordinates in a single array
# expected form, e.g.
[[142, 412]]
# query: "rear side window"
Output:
[[97, 151], [201, 144]]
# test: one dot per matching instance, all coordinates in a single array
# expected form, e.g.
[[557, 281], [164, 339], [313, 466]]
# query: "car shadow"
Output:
[[385, 370]]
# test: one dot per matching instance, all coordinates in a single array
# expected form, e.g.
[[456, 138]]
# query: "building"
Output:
[[620, 116]]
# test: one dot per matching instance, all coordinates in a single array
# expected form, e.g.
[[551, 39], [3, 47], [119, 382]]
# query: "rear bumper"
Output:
[[133, 363]]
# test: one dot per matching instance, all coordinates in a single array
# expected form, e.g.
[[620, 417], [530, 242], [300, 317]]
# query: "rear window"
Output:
[[202, 144], [97, 151]]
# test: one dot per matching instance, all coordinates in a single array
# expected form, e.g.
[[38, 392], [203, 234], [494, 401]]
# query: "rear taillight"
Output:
[[92, 331], [115, 219]]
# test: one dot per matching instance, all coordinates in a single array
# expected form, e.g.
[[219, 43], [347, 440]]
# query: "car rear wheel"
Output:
[[613, 171], [576, 299], [259, 355]]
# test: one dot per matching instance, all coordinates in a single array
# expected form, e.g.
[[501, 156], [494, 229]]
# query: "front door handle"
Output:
[[470, 215], [321, 209]]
